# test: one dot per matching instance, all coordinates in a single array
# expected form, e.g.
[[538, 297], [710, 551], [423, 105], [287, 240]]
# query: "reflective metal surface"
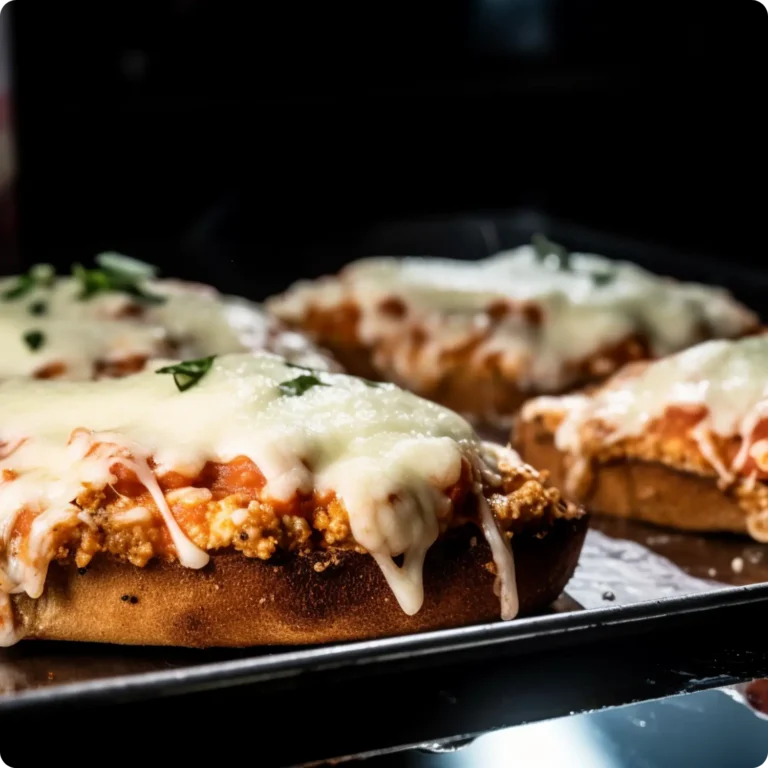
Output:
[[705, 730]]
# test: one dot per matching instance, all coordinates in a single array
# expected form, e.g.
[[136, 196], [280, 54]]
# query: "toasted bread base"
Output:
[[236, 601], [652, 492]]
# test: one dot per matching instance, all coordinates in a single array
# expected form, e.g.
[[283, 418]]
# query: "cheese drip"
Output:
[[387, 454], [193, 321], [578, 312], [728, 378]]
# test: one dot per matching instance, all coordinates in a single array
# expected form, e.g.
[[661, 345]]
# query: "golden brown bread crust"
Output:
[[640, 490], [307, 599]]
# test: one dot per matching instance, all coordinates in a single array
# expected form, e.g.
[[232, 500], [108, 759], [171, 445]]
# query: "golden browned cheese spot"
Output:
[[332, 523], [337, 325], [50, 371], [550, 421], [393, 307], [487, 386], [130, 310], [533, 313], [527, 502], [265, 531], [101, 368], [609, 358], [118, 368]]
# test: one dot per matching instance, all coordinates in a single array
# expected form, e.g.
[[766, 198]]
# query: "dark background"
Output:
[[251, 143]]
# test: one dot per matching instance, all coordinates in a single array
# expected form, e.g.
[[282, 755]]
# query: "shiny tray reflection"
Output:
[[40, 664]]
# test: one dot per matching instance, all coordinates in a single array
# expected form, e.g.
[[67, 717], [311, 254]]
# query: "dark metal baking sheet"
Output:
[[56, 674], [399, 694], [672, 628]]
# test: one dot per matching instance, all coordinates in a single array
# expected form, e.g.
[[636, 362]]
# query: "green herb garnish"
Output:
[[300, 385], [186, 374], [22, 287], [603, 278], [125, 265], [116, 274], [39, 276], [367, 382], [34, 340], [551, 254], [38, 308]]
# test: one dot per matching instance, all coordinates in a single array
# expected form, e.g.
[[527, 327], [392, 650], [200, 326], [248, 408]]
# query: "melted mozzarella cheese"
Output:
[[76, 344], [582, 312], [725, 381], [194, 321], [728, 378], [387, 454]]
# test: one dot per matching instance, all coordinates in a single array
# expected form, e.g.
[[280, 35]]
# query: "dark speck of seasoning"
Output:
[[38, 308], [243, 536], [134, 599], [609, 596], [125, 598], [34, 340], [82, 571]]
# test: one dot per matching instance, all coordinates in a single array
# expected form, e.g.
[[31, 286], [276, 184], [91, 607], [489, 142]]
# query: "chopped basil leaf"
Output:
[[551, 254], [603, 278], [92, 281], [39, 276], [107, 280], [125, 265], [300, 385], [34, 340], [38, 308], [187, 373], [367, 382], [23, 286]]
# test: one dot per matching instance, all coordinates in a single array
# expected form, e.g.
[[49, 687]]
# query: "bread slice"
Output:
[[246, 500], [630, 488], [316, 598], [483, 337]]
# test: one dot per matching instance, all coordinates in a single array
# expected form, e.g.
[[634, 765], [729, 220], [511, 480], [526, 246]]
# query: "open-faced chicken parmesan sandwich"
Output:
[[681, 442], [111, 319], [481, 337], [243, 500]]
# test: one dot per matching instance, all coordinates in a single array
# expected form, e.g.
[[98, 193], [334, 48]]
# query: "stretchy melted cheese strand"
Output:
[[388, 455], [505, 564]]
